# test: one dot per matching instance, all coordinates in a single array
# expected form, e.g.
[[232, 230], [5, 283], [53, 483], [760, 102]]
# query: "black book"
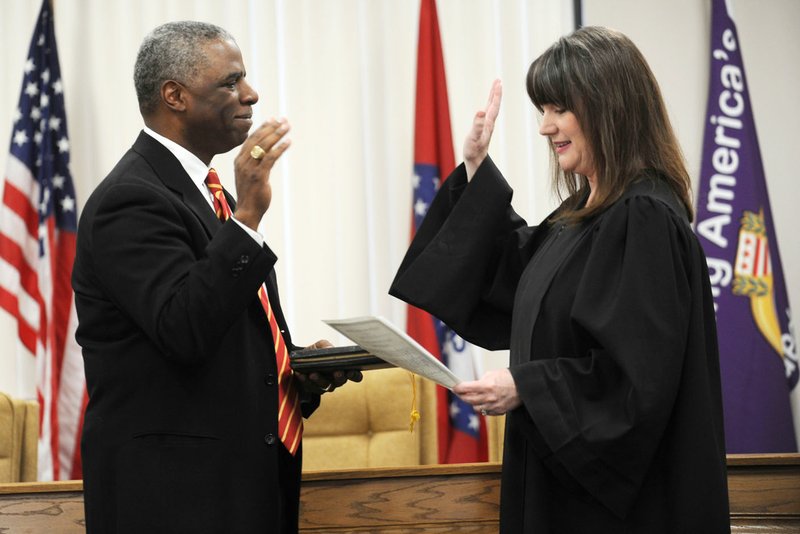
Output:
[[332, 359]]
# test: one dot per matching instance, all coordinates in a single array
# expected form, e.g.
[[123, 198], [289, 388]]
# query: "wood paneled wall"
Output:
[[764, 494]]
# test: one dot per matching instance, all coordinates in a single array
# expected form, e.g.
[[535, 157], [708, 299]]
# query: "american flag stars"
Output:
[[20, 137], [40, 139]]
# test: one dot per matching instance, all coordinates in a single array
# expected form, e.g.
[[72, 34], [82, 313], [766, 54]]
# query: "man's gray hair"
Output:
[[172, 51]]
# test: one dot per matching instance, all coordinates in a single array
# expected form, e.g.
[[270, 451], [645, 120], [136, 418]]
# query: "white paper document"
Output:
[[384, 340]]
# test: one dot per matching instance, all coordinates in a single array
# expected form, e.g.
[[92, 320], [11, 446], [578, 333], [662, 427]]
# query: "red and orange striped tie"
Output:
[[290, 420]]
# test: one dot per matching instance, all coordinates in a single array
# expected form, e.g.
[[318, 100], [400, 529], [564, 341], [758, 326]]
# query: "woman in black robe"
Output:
[[612, 395]]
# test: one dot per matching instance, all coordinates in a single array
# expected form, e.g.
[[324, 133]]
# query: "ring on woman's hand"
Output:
[[483, 412], [257, 152]]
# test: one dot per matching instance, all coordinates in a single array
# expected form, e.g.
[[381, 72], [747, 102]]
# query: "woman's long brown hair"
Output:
[[601, 76]]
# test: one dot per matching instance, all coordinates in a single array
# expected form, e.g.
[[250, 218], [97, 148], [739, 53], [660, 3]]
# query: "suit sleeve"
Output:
[[150, 261], [601, 417], [466, 258]]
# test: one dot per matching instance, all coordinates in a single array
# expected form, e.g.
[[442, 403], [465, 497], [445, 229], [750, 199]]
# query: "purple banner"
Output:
[[758, 353]]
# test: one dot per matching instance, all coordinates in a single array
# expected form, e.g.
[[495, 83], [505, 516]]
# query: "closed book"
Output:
[[332, 359]]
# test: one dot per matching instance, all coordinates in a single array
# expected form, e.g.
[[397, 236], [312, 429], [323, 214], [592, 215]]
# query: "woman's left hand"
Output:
[[494, 394]]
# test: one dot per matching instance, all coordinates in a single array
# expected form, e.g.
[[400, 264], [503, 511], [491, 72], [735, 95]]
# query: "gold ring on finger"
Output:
[[257, 152]]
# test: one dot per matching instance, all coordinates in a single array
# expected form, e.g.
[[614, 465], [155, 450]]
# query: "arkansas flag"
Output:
[[461, 431], [37, 247], [758, 349]]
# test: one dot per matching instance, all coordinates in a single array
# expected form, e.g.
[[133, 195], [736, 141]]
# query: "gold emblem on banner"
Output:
[[753, 277]]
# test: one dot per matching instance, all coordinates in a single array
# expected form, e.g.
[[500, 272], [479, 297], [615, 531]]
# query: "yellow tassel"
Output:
[[414, 412]]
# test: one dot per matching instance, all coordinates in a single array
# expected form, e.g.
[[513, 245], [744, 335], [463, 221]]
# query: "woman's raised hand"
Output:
[[476, 145]]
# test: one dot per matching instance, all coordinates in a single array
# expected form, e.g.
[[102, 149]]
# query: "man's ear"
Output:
[[174, 95]]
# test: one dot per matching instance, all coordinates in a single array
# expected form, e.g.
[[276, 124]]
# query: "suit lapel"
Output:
[[170, 172]]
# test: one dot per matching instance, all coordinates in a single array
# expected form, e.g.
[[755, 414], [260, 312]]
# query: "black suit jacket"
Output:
[[180, 433]]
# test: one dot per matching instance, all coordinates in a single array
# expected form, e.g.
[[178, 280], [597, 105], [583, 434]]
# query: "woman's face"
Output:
[[562, 128]]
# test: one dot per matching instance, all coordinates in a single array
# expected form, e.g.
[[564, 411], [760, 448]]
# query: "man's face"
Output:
[[219, 102]]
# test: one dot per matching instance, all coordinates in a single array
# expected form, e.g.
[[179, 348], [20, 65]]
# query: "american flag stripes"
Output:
[[37, 246]]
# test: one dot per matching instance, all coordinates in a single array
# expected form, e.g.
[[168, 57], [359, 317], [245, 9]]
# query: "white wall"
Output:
[[343, 72]]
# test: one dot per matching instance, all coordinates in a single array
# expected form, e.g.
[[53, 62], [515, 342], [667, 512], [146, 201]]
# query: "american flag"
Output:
[[37, 246], [461, 431]]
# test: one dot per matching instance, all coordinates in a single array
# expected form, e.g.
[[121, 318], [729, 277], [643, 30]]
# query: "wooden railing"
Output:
[[764, 493]]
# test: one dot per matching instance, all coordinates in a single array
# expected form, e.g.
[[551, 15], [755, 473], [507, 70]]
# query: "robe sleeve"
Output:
[[601, 416], [464, 263]]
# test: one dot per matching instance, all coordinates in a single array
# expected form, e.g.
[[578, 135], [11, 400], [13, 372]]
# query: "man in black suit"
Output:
[[181, 430]]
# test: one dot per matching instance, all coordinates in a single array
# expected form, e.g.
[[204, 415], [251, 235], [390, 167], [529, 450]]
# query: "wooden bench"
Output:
[[764, 497]]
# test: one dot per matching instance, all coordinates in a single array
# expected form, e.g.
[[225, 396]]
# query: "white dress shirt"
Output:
[[197, 171]]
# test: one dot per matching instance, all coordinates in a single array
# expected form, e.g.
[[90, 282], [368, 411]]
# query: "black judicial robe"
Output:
[[613, 344]]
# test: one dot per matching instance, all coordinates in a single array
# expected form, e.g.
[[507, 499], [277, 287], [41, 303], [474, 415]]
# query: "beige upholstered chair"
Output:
[[19, 432], [495, 432], [366, 424]]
